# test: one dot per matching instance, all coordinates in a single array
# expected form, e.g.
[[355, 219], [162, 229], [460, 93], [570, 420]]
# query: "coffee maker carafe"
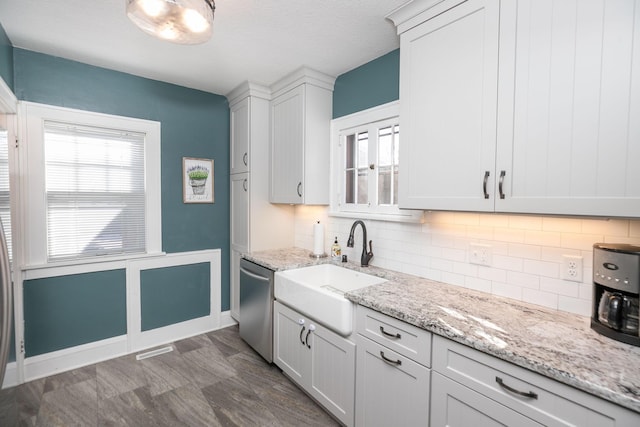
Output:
[[616, 289]]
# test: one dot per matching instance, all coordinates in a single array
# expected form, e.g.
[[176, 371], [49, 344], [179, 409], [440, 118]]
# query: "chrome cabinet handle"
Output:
[[529, 394], [244, 185], [397, 336], [298, 189], [502, 174], [389, 361], [245, 159], [302, 332], [484, 184]]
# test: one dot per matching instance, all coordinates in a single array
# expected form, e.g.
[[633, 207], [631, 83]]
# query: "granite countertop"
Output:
[[556, 344]]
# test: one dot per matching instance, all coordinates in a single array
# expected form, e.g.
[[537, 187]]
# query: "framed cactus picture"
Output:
[[197, 180]]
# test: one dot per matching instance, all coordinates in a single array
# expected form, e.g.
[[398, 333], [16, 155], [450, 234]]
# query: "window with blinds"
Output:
[[95, 191], [5, 204]]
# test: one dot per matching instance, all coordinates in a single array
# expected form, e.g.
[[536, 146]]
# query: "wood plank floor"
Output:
[[214, 379]]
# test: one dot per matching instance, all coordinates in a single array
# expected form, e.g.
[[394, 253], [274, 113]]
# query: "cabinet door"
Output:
[[333, 370], [287, 140], [240, 133], [454, 405], [240, 211], [290, 352], [448, 92], [392, 392], [569, 134]]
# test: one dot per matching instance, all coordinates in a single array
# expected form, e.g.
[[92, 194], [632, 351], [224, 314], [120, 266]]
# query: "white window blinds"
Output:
[[95, 191], [5, 205]]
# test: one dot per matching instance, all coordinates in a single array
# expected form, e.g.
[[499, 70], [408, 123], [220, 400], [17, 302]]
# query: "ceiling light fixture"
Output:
[[178, 21]]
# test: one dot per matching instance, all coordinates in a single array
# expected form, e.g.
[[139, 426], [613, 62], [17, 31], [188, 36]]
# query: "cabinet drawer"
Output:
[[554, 404], [405, 339], [391, 389]]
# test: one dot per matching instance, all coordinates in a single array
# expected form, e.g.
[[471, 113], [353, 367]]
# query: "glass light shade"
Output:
[[178, 21]]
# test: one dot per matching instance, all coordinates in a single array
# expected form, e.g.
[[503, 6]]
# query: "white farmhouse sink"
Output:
[[318, 292]]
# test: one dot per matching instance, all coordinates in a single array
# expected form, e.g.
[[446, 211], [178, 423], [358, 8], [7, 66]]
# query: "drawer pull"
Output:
[[528, 394], [397, 336], [389, 361]]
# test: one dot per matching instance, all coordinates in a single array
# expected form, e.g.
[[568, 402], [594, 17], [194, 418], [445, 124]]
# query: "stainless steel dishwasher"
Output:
[[256, 307]]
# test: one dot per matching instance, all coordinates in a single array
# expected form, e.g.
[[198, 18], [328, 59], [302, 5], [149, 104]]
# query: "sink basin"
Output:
[[318, 292]]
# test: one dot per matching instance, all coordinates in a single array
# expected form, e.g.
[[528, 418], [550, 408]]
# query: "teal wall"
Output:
[[66, 311], [167, 298], [374, 83], [194, 124], [6, 58]]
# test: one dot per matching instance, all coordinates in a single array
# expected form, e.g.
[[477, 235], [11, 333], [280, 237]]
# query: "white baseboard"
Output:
[[75, 357], [59, 361], [226, 320], [10, 375]]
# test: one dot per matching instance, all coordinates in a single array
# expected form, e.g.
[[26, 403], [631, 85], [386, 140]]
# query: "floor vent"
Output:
[[155, 352]]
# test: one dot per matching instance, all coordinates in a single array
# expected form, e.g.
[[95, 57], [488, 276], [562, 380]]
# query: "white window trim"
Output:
[[339, 126], [32, 208]]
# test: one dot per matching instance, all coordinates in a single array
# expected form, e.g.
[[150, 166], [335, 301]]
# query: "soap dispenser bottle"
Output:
[[335, 250]]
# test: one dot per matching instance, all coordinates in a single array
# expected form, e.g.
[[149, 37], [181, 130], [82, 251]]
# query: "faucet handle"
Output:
[[370, 253]]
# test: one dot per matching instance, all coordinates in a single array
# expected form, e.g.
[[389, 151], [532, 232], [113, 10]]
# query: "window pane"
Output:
[[385, 146], [349, 183], [363, 149], [95, 191], [384, 186], [350, 150], [363, 186], [395, 186], [388, 153]]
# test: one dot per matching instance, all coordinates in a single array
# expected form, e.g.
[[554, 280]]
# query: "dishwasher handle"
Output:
[[255, 276]]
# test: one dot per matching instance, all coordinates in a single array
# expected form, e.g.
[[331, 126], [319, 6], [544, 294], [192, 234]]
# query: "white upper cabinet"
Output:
[[524, 106], [569, 117], [449, 69], [301, 110], [240, 123]]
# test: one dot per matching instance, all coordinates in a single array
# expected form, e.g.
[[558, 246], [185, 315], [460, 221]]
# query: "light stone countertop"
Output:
[[556, 344]]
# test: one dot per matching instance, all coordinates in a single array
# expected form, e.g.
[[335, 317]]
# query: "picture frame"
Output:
[[197, 180]]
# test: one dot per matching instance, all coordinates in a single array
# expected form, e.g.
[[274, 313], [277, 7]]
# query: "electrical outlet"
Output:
[[572, 268], [479, 254]]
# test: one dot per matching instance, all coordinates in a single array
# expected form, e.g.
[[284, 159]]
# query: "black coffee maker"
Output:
[[616, 289]]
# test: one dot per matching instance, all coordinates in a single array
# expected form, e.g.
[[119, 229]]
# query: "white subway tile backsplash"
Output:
[[545, 299], [477, 284], [541, 268], [526, 250], [580, 241], [525, 222], [506, 290], [566, 225], [542, 238], [609, 227], [493, 274], [524, 280], [507, 262], [574, 305], [560, 287]]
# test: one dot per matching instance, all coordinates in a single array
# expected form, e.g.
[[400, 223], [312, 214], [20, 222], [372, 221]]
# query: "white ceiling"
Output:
[[255, 40]]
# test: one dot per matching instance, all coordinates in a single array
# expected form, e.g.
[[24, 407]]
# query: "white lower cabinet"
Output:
[[317, 359], [392, 371], [473, 388], [392, 390], [454, 405]]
